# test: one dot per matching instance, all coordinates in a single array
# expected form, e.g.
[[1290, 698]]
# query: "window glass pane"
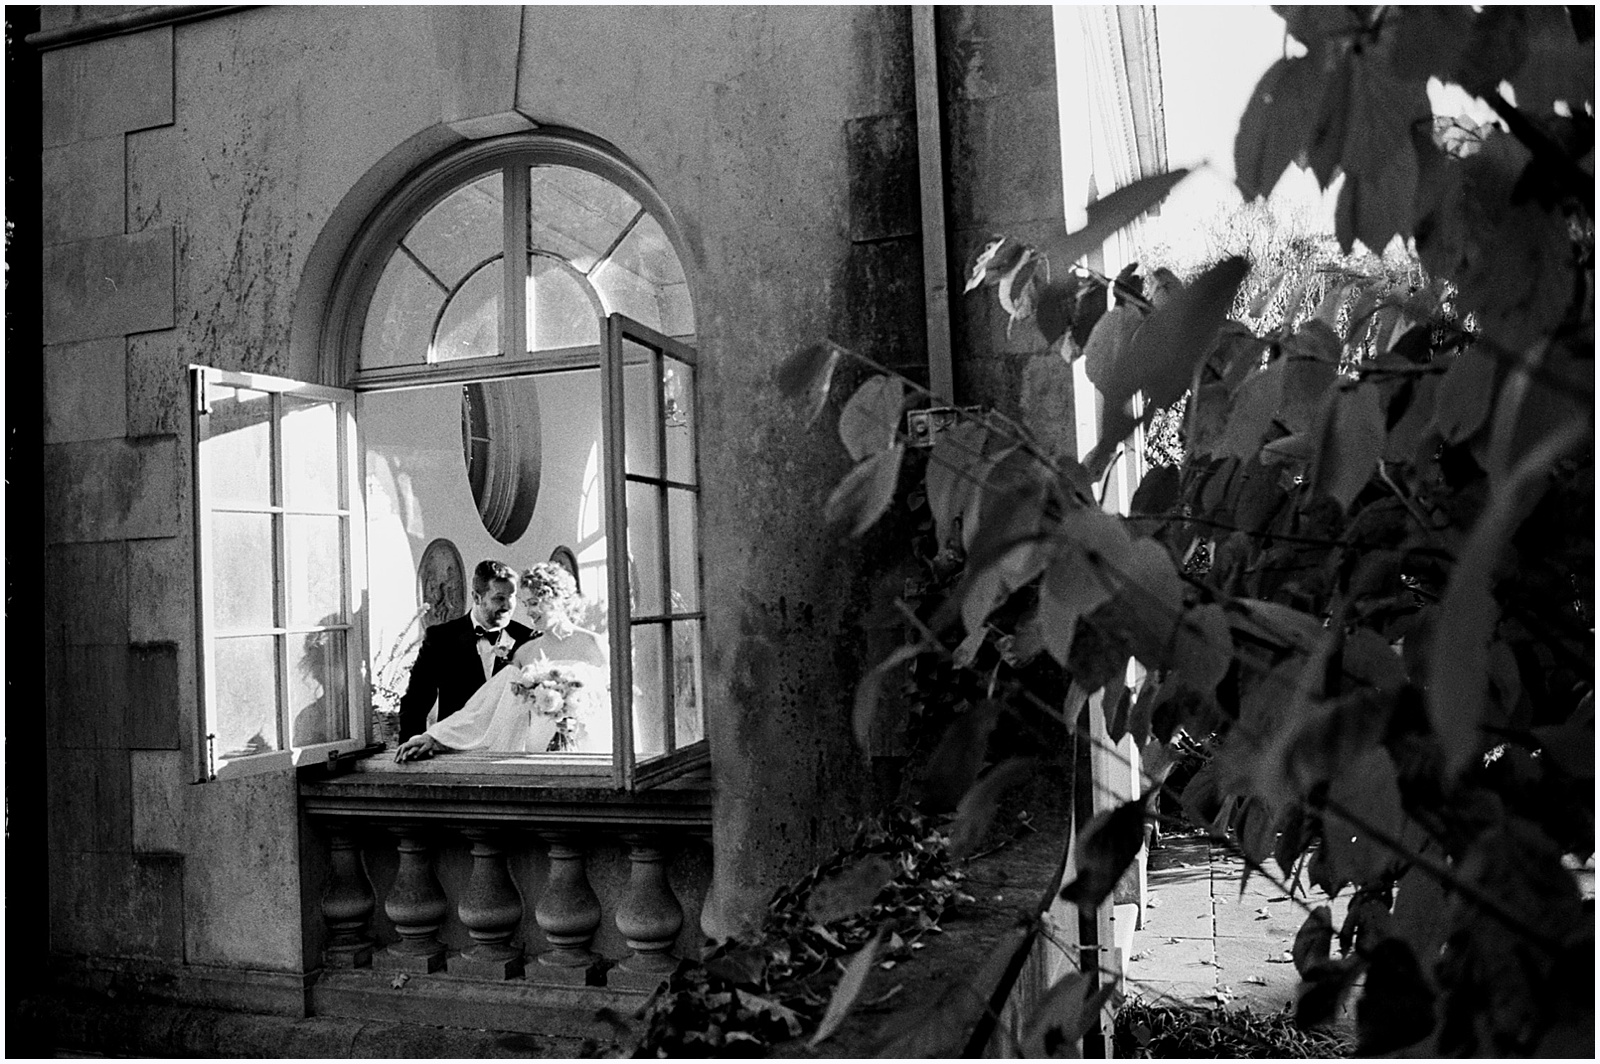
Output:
[[237, 452], [244, 717], [241, 567], [683, 538], [400, 317], [310, 454], [643, 279], [641, 409], [560, 310], [644, 549], [314, 570], [677, 406], [687, 684], [461, 231], [470, 327], [649, 726], [419, 492], [317, 687], [576, 214]]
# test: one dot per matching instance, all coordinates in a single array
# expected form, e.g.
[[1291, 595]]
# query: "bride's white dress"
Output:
[[497, 718]]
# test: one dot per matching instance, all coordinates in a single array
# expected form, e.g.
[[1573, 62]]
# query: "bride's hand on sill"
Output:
[[418, 747]]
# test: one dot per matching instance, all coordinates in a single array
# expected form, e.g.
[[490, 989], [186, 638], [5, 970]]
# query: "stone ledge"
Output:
[[70, 1024]]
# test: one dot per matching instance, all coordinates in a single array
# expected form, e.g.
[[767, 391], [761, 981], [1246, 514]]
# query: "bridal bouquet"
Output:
[[558, 693]]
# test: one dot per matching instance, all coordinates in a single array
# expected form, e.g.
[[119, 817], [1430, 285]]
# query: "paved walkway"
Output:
[[1204, 943]]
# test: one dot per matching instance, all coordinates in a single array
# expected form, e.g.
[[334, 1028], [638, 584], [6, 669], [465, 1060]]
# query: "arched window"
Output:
[[517, 331]]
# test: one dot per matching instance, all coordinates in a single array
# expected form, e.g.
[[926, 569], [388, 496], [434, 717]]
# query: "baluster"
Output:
[[417, 905], [347, 905], [649, 916], [491, 909], [568, 912]]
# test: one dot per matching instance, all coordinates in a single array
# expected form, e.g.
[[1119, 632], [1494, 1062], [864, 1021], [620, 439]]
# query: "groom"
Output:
[[458, 656]]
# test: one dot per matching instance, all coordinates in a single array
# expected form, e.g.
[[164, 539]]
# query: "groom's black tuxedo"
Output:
[[448, 667]]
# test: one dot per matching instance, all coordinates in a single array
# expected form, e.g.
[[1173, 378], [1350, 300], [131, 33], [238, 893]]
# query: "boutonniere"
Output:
[[502, 649]]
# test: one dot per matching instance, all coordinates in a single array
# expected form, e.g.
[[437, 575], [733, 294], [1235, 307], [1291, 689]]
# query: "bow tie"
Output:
[[491, 634]]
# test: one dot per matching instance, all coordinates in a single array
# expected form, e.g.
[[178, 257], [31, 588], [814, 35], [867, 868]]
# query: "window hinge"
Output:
[[924, 426], [202, 395]]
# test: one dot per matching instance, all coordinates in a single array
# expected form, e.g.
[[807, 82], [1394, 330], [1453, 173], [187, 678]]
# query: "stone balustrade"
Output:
[[508, 881]]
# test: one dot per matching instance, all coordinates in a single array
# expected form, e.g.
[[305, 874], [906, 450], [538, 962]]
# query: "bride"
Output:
[[557, 682]]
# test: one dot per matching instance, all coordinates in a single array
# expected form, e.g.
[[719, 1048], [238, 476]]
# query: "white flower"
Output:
[[547, 701]]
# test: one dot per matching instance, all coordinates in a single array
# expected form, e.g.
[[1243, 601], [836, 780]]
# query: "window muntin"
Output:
[[274, 553]]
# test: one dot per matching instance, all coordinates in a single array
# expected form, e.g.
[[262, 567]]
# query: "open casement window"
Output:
[[280, 654], [525, 372]]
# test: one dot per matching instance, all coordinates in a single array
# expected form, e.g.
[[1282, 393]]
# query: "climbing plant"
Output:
[[1391, 639]]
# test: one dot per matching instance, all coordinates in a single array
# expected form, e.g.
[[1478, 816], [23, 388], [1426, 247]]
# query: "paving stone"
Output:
[[108, 286], [108, 86], [111, 489], [1241, 961], [83, 190], [85, 391], [1237, 918]]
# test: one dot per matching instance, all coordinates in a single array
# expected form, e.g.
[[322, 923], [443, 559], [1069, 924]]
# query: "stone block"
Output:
[[150, 164], [113, 489], [88, 708], [85, 391], [83, 190], [114, 85], [152, 696], [86, 594], [89, 793], [117, 904], [478, 49], [158, 385], [242, 891], [1012, 172], [109, 286], [161, 600], [885, 200], [160, 784]]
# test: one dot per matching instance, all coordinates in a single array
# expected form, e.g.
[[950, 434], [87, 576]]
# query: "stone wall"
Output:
[[200, 182]]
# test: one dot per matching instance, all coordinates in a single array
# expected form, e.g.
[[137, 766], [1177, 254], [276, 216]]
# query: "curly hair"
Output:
[[556, 591]]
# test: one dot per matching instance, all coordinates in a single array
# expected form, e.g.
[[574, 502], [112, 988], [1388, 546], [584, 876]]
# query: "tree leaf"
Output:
[[1254, 405], [1396, 1005], [1104, 851], [808, 373], [1161, 357], [982, 801], [955, 762], [1203, 647], [1465, 395], [870, 421], [1317, 998], [956, 468], [1368, 789], [1075, 582], [871, 685], [1063, 1016], [1110, 213], [1458, 652], [1158, 492], [866, 491], [849, 988], [1351, 444], [1109, 342], [850, 890], [1314, 940]]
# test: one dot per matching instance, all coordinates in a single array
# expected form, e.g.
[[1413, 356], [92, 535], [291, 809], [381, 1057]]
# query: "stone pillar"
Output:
[[417, 906], [491, 909], [649, 916], [347, 905], [568, 912]]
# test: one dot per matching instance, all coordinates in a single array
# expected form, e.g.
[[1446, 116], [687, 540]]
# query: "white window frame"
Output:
[[352, 561]]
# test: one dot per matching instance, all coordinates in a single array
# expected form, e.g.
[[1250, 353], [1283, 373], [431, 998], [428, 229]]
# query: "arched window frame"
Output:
[[339, 352]]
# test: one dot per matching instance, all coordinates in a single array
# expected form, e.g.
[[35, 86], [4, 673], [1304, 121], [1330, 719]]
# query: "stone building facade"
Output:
[[224, 188]]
